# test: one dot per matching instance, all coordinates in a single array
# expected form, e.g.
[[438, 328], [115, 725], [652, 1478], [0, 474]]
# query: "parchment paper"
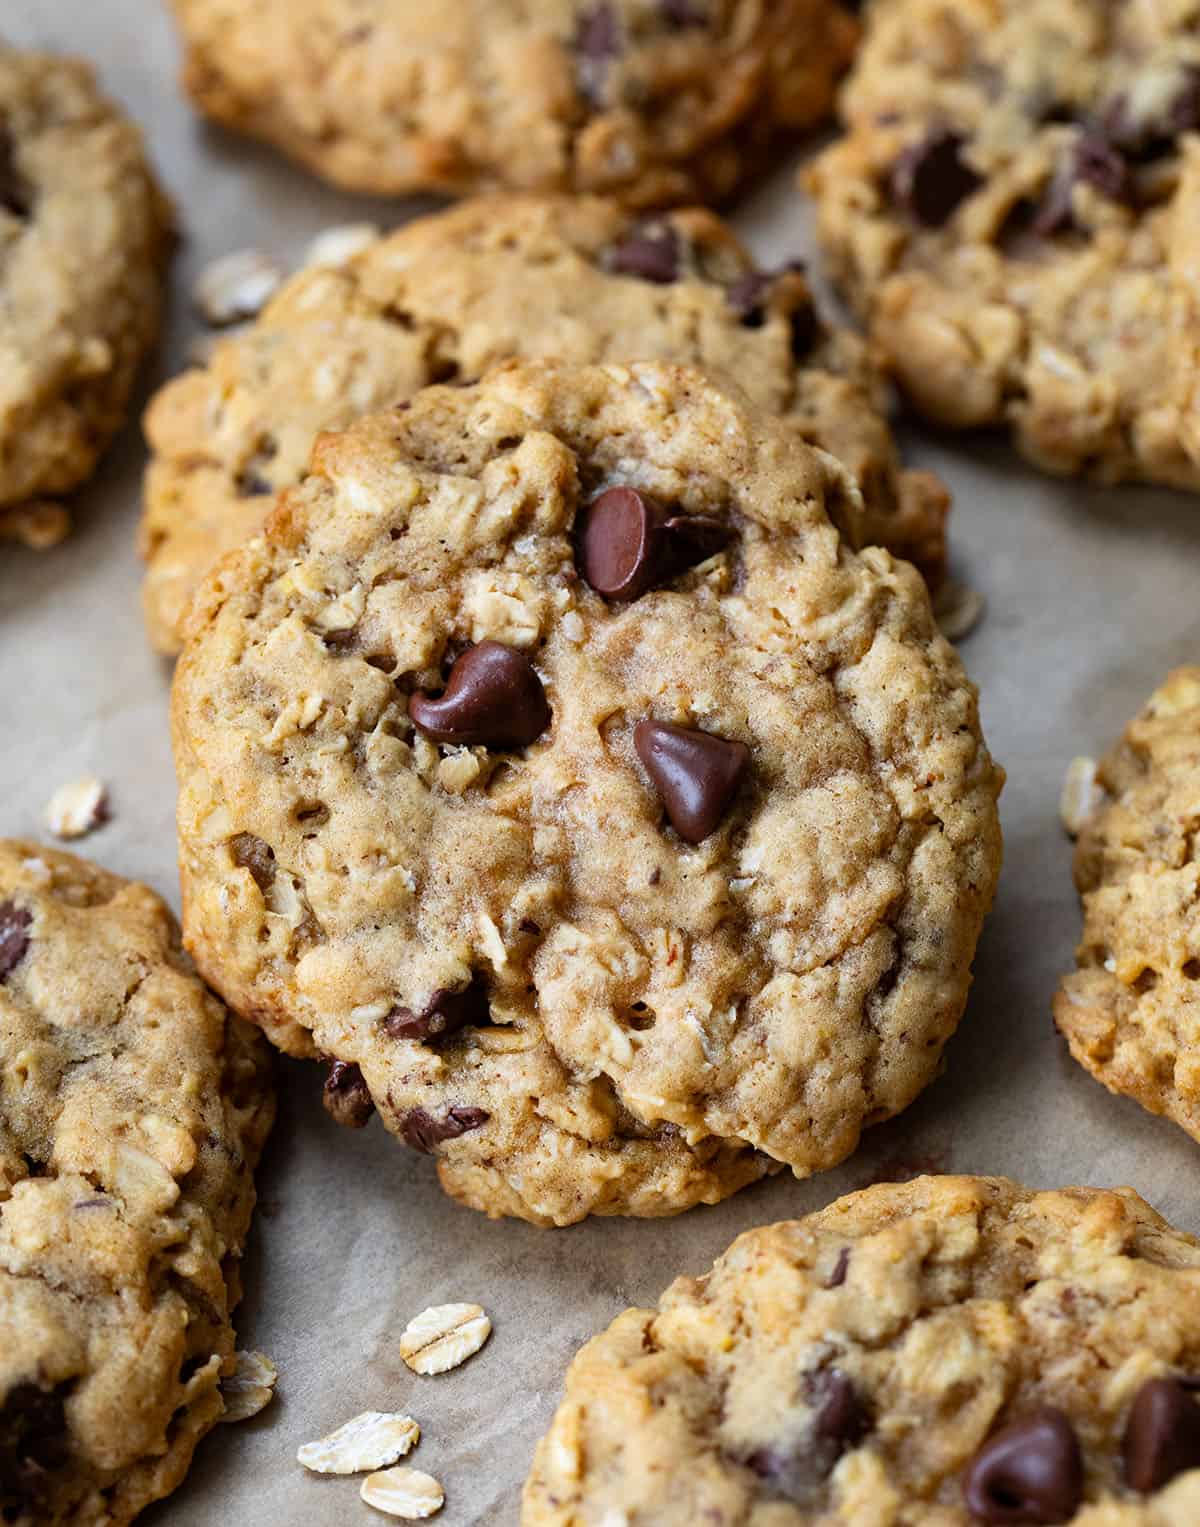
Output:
[[1092, 596]]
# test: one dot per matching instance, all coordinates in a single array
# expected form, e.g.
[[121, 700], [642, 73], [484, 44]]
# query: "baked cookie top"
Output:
[[132, 1111], [1014, 209], [953, 1351], [1130, 1011], [84, 239], [654, 101], [554, 764], [445, 298]]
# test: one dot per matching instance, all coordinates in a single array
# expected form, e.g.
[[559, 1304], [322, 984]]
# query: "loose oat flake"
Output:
[[369, 1441], [250, 1387], [335, 246], [443, 1336], [1081, 794], [76, 808], [957, 609], [235, 287], [403, 1492]]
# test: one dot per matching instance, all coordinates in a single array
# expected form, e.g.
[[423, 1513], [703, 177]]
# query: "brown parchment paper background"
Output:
[[1092, 596]]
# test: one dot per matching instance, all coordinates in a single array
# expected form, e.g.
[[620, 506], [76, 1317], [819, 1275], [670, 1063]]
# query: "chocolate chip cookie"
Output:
[[573, 279], [132, 1111], [953, 1351], [654, 101], [1014, 209], [554, 768], [1131, 1011], [84, 239]]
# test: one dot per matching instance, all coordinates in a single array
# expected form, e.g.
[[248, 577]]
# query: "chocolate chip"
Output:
[[838, 1276], [424, 1132], [682, 13], [1162, 1435], [695, 774], [651, 252], [251, 853], [1091, 161], [493, 699], [444, 1014], [346, 1096], [14, 191], [931, 179], [1031, 1471], [15, 923], [748, 297], [33, 1443], [628, 543], [251, 485], [597, 43], [840, 1420]]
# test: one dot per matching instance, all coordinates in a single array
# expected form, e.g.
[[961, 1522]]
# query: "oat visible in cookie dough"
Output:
[[591, 973], [132, 1111], [1015, 210], [945, 1353], [447, 297], [1131, 1011], [84, 239], [654, 101]]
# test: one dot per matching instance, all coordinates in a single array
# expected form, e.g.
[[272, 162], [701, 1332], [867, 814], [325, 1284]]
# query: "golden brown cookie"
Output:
[[1131, 1011], [133, 1108], [1013, 210], [654, 101], [84, 239], [554, 767], [446, 297], [947, 1353]]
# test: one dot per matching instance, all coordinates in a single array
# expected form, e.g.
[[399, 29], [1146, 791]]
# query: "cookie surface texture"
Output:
[[133, 1111], [84, 239], [1013, 210], [1131, 1010], [449, 296], [653, 102], [944, 1353], [618, 901]]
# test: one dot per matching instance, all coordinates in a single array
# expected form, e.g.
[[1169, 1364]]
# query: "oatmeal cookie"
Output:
[[84, 239], [446, 297], [133, 1108], [654, 101], [1131, 1011], [953, 1351], [1013, 210], [554, 767]]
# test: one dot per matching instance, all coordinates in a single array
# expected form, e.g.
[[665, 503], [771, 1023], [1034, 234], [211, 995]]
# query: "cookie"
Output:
[[946, 1352], [554, 768], [1013, 210], [572, 279], [84, 240], [1131, 1010], [654, 101], [132, 1111]]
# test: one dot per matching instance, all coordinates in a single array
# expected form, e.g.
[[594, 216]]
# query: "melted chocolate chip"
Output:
[[251, 853], [695, 774], [652, 252], [1162, 1435], [444, 1014], [597, 43], [627, 543], [840, 1268], [840, 1420], [15, 923], [424, 1132], [682, 13], [346, 1096], [33, 1443], [748, 297], [493, 699], [1091, 161], [14, 191], [1148, 138], [932, 179], [1031, 1471]]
